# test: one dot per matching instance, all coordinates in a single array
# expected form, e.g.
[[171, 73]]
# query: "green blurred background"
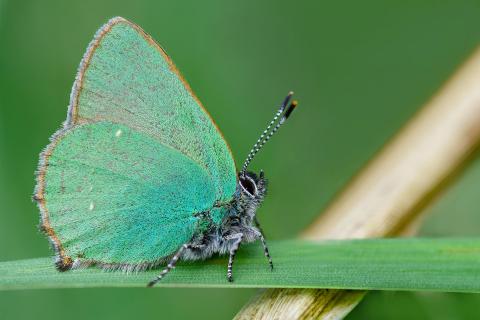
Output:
[[359, 70]]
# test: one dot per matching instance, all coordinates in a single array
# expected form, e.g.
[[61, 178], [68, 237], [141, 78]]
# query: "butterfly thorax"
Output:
[[238, 225]]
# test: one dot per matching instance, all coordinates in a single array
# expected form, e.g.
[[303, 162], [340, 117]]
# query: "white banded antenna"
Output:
[[268, 132]]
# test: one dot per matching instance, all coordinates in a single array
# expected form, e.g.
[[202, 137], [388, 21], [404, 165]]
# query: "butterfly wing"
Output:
[[138, 157]]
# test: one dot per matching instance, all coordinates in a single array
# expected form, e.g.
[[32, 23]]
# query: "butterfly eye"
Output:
[[248, 185]]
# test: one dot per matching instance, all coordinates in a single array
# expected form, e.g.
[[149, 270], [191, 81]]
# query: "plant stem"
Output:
[[387, 196]]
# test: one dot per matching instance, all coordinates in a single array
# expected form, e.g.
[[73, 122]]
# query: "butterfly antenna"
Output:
[[269, 132]]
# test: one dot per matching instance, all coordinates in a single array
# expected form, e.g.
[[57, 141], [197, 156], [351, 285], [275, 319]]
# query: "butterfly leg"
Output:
[[264, 243], [233, 250], [170, 265]]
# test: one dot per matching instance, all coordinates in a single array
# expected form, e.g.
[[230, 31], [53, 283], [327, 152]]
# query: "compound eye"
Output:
[[248, 185]]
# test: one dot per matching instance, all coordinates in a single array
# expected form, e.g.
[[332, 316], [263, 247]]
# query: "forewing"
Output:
[[125, 77], [116, 195]]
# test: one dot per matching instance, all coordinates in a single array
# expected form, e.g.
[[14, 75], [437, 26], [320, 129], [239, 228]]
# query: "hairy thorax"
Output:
[[238, 226]]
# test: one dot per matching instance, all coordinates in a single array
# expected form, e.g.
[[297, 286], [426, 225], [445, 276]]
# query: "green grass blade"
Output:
[[380, 264]]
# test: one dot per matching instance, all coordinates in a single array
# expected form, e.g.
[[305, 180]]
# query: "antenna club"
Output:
[[290, 109]]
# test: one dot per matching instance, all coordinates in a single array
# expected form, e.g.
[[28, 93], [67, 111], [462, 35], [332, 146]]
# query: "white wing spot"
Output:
[[91, 206], [90, 189], [118, 133]]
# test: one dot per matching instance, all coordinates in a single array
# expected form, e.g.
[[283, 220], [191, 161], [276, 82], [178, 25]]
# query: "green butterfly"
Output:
[[139, 175]]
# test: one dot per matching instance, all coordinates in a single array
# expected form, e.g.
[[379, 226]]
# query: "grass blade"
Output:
[[381, 264]]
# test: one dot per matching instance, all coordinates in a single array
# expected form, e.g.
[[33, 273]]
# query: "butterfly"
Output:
[[139, 175]]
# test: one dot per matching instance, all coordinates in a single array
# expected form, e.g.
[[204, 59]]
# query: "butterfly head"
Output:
[[253, 186], [251, 190]]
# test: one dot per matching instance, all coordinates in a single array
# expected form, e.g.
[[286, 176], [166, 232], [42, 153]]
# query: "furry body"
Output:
[[237, 227], [240, 221]]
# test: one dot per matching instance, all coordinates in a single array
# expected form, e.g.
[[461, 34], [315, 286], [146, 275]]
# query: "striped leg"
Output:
[[170, 265], [233, 251], [265, 250], [264, 243]]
